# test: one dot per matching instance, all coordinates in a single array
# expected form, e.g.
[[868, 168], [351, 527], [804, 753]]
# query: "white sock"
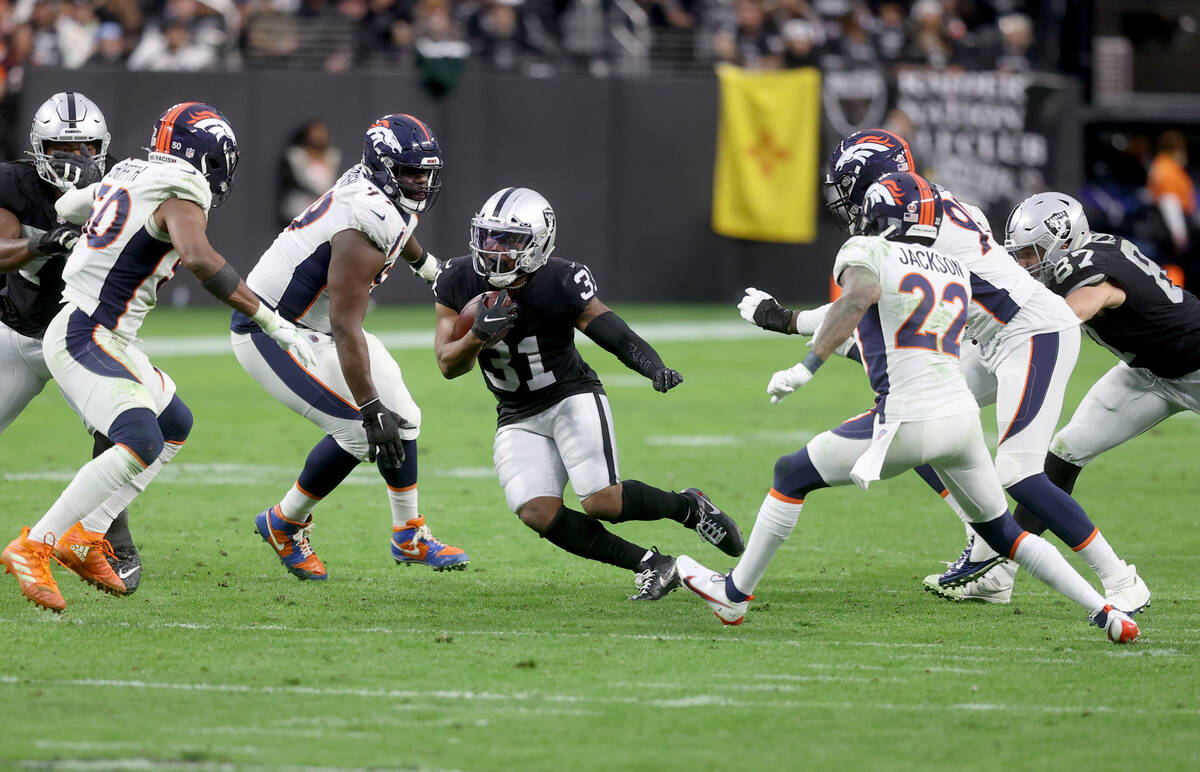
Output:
[[776, 519], [99, 478], [404, 504], [1040, 558], [100, 519], [1100, 556], [297, 505]]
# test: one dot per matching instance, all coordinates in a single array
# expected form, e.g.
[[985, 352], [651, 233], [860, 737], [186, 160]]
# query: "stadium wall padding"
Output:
[[627, 164]]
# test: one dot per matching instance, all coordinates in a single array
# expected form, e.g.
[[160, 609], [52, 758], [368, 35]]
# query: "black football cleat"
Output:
[[713, 525], [656, 577], [126, 563]]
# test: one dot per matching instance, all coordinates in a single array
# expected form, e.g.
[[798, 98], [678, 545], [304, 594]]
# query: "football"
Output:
[[466, 317]]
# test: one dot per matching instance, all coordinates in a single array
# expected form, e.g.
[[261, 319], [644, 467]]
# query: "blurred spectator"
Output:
[[505, 34], [931, 46], [76, 28], [1016, 38], [1172, 189], [310, 167], [171, 48], [754, 39], [43, 22], [799, 44], [440, 46], [110, 46], [385, 34], [891, 36], [270, 35]]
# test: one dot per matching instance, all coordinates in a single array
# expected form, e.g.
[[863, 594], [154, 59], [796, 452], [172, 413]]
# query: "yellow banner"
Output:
[[765, 185]]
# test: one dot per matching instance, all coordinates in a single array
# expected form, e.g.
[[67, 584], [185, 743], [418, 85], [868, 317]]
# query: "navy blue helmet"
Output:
[[860, 159], [201, 135], [901, 207], [404, 160]]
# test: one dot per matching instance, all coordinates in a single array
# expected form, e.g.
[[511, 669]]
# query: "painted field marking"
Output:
[[694, 700], [656, 332]]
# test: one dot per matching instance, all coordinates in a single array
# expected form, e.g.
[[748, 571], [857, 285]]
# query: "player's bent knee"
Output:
[[795, 475], [605, 503], [1013, 470], [353, 440], [538, 513], [175, 421], [137, 431], [1066, 447]]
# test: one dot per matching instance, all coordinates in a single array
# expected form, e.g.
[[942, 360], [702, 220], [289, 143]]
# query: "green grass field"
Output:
[[532, 659]]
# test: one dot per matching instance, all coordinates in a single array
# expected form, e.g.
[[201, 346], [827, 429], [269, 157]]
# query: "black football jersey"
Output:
[[31, 296], [1158, 325], [536, 365]]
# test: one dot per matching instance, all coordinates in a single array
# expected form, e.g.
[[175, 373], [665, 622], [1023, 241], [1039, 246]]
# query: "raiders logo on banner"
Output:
[[854, 99]]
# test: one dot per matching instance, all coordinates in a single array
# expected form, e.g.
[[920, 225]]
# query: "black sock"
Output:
[[584, 536], [118, 533], [1062, 474], [640, 501]]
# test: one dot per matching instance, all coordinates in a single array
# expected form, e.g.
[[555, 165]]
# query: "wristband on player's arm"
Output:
[[223, 283], [812, 362], [615, 336]]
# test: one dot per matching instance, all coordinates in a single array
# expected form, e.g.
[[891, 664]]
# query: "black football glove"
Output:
[[492, 323], [383, 433], [666, 379], [78, 170], [55, 242]]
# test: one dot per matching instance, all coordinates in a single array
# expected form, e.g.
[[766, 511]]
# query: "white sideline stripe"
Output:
[[101, 765], [183, 473], [727, 634], [656, 332], [678, 702]]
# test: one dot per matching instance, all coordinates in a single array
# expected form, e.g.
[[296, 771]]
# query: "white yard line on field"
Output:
[[412, 696], [154, 764], [656, 332], [728, 634], [183, 473]]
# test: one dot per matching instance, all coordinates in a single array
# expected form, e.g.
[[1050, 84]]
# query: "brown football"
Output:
[[466, 317]]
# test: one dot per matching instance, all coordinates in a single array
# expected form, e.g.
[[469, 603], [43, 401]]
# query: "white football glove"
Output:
[[749, 304], [289, 338], [429, 267], [786, 381]]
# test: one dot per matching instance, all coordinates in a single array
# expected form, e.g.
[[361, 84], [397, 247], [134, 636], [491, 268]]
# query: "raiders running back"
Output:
[[536, 364], [1157, 327]]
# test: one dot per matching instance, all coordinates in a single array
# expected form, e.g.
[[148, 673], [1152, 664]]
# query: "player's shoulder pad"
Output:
[[175, 180], [446, 287], [17, 179], [367, 210], [864, 251]]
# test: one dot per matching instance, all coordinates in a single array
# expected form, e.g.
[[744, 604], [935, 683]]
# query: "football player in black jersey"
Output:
[[554, 420], [1128, 305], [70, 138]]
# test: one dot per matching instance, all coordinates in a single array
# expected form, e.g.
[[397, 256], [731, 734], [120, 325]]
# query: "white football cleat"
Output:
[[1128, 592], [995, 586], [710, 586]]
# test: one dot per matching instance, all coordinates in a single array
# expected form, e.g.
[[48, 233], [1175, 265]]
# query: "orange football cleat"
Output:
[[29, 561], [414, 543], [291, 545], [86, 553]]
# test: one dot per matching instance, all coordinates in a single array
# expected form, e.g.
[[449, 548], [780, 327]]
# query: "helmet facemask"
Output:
[[1042, 229], [67, 122], [503, 253], [838, 201], [413, 196]]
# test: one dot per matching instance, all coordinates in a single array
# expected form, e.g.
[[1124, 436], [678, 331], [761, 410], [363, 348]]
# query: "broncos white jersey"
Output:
[[1000, 288], [910, 339], [292, 274], [123, 257]]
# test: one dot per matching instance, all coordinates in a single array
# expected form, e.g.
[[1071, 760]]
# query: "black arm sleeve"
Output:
[[614, 336]]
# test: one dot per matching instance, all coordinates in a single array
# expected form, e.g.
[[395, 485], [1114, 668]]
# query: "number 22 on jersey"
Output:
[[912, 334]]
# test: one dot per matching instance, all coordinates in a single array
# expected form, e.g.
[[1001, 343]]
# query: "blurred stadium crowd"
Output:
[[533, 37]]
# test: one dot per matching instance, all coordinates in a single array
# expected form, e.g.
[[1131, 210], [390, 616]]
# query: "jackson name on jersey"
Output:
[[293, 272], [123, 257], [910, 338]]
